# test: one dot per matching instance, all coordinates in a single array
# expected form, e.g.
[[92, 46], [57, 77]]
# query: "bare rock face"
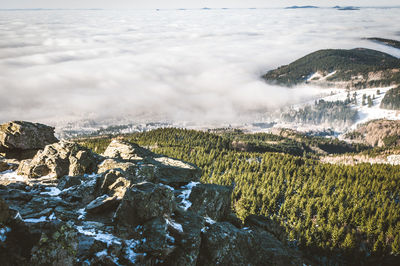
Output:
[[224, 244], [102, 204], [172, 171], [21, 140], [143, 202], [127, 151], [60, 159], [140, 164], [108, 164], [211, 200], [159, 244], [187, 229]]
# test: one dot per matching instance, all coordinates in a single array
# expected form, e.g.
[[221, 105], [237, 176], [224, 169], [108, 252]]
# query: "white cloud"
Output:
[[180, 65]]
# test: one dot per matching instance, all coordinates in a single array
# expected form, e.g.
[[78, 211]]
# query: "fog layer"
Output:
[[181, 65]]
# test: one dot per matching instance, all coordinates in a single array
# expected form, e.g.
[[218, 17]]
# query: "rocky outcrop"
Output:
[[141, 165], [136, 208], [21, 140], [127, 151], [224, 244], [145, 201], [211, 201], [60, 159], [171, 171]]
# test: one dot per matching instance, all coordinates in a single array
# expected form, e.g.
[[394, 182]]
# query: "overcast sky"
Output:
[[184, 3]]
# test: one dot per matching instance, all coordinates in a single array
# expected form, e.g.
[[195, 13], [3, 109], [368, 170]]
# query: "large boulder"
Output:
[[211, 200], [60, 159], [172, 171], [21, 140], [224, 244], [143, 202], [120, 149], [147, 165]]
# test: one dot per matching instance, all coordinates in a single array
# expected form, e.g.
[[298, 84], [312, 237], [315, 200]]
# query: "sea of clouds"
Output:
[[179, 65]]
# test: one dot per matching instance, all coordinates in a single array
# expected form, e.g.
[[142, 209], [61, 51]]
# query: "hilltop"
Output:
[[354, 69]]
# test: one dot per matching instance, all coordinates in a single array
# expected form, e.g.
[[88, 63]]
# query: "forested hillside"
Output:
[[358, 67], [346, 214], [391, 99]]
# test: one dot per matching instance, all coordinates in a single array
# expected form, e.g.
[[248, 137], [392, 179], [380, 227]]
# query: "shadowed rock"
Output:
[[224, 244], [120, 149], [159, 243], [188, 239], [58, 245], [211, 200], [143, 202], [102, 204]]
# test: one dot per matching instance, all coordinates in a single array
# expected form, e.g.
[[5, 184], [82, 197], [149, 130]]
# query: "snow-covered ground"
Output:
[[366, 113]]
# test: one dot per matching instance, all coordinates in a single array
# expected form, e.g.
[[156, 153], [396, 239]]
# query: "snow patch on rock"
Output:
[[36, 220], [53, 191], [175, 225], [185, 203]]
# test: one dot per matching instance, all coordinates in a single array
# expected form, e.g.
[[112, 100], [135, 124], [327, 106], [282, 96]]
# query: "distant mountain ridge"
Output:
[[297, 7], [354, 68], [389, 42]]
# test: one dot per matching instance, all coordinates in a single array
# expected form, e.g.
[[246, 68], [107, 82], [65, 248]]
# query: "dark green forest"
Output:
[[346, 214]]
